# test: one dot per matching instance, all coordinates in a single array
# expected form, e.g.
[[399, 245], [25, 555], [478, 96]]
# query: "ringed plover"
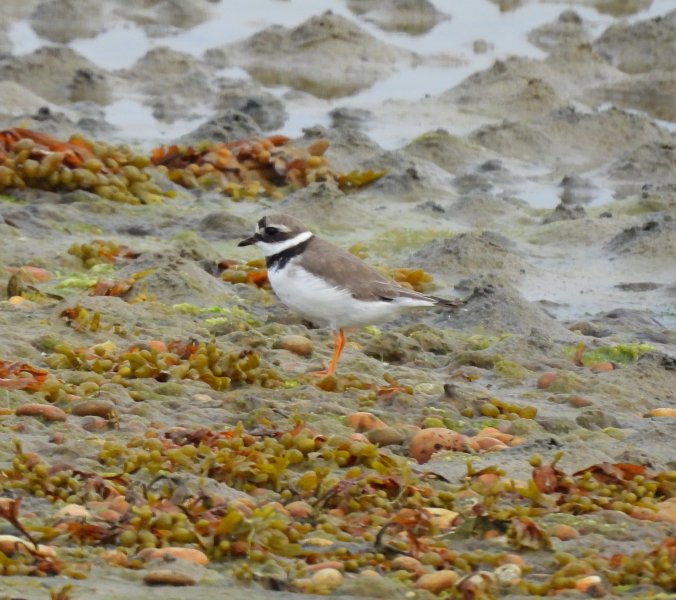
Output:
[[326, 284]]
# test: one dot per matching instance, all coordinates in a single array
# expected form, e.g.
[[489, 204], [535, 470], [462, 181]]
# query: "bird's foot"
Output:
[[393, 388], [325, 372]]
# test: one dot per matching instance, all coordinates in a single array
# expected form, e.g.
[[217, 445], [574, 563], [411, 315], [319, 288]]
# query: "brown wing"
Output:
[[346, 271]]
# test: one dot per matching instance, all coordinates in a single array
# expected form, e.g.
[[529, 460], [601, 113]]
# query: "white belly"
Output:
[[319, 302]]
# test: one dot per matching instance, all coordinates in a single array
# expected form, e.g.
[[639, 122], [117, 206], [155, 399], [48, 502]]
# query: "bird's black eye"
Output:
[[271, 230]]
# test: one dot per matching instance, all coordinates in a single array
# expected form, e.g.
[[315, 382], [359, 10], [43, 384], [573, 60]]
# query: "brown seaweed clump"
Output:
[[249, 168], [245, 168], [29, 159]]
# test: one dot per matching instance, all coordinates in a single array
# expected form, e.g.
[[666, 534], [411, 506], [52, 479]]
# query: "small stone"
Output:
[[385, 436], [561, 382], [167, 577], [94, 424], [579, 401], [508, 574], [327, 578], [565, 532], [666, 511], [46, 411], [10, 544], [546, 379], [297, 344], [299, 509], [364, 421], [73, 511], [427, 442], [485, 444], [442, 518], [592, 585], [115, 557], [192, 555], [407, 563], [93, 408], [370, 573], [438, 581], [603, 367]]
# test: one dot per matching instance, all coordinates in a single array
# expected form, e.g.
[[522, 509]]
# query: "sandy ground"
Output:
[[540, 189]]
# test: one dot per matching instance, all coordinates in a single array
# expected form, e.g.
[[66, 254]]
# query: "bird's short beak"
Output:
[[248, 241]]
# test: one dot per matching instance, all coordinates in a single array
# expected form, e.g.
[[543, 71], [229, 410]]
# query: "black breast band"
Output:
[[279, 260]]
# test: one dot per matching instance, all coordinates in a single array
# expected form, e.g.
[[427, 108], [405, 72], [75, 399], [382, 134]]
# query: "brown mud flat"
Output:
[[159, 424]]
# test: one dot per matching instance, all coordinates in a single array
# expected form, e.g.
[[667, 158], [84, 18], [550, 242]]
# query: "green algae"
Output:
[[399, 238], [82, 281], [11, 199], [621, 354], [511, 371]]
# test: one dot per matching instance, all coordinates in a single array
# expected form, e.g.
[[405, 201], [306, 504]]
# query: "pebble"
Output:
[[167, 577], [46, 411], [93, 408], [429, 441], [591, 585], [565, 532], [512, 559], [299, 509], [364, 421], [370, 573], [298, 344], [115, 557], [486, 444], [385, 436], [603, 367], [11, 543], [579, 401], [94, 424], [442, 518], [327, 578], [508, 574], [438, 581], [546, 379], [73, 511], [407, 563], [192, 555]]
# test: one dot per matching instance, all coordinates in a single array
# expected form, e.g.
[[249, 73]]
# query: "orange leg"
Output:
[[338, 345]]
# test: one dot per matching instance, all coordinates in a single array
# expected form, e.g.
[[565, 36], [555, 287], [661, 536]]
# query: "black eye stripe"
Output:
[[271, 230]]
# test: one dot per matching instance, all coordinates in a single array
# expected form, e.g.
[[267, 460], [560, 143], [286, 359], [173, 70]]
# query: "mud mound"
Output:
[[652, 93], [471, 254], [413, 17], [58, 74], [450, 152], [650, 163], [642, 46], [568, 29], [496, 306], [158, 15], [655, 236], [279, 56], [63, 21], [522, 84]]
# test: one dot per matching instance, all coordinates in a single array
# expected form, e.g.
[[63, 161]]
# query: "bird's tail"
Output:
[[455, 303]]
